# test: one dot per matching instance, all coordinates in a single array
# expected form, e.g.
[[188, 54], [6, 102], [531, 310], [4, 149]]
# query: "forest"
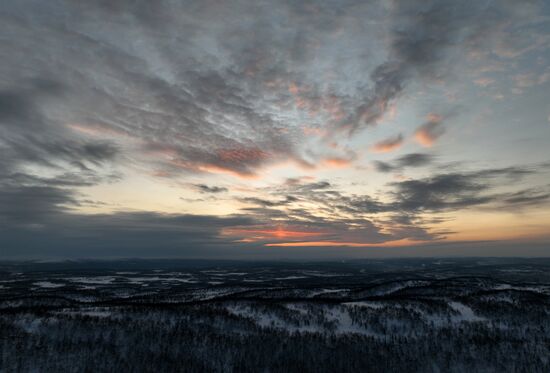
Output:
[[332, 318]]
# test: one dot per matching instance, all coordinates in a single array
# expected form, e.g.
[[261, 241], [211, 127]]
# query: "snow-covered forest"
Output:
[[364, 316]]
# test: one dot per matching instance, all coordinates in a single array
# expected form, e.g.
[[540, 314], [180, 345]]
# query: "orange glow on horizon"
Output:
[[263, 234], [397, 243]]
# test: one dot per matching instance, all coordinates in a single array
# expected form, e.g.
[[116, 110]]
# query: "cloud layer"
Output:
[[223, 100]]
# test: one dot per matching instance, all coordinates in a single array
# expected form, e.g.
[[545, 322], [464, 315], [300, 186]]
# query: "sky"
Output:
[[274, 129]]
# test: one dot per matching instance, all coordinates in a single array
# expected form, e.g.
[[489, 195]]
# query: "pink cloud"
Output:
[[388, 145], [97, 130], [429, 132]]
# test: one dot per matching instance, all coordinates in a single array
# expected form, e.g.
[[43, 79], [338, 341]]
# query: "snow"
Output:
[[48, 284], [139, 280], [387, 289], [541, 289], [96, 313], [465, 312], [99, 280], [91, 313], [296, 307], [519, 270], [335, 314], [266, 320], [289, 278], [210, 293], [322, 274], [374, 305], [29, 326], [176, 274], [344, 323], [88, 287], [326, 291]]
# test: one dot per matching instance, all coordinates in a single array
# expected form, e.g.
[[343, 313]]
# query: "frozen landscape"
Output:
[[418, 315]]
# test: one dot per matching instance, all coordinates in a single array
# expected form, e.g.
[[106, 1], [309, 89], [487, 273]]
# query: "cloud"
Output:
[[414, 160], [383, 166], [405, 161], [484, 82], [214, 96], [115, 90], [453, 191], [526, 197], [527, 80], [202, 188], [317, 212], [332, 216], [41, 221], [18, 103], [419, 37], [336, 162], [388, 145], [30, 139], [94, 90], [440, 192], [31, 205], [268, 203], [429, 132], [121, 235], [425, 38]]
